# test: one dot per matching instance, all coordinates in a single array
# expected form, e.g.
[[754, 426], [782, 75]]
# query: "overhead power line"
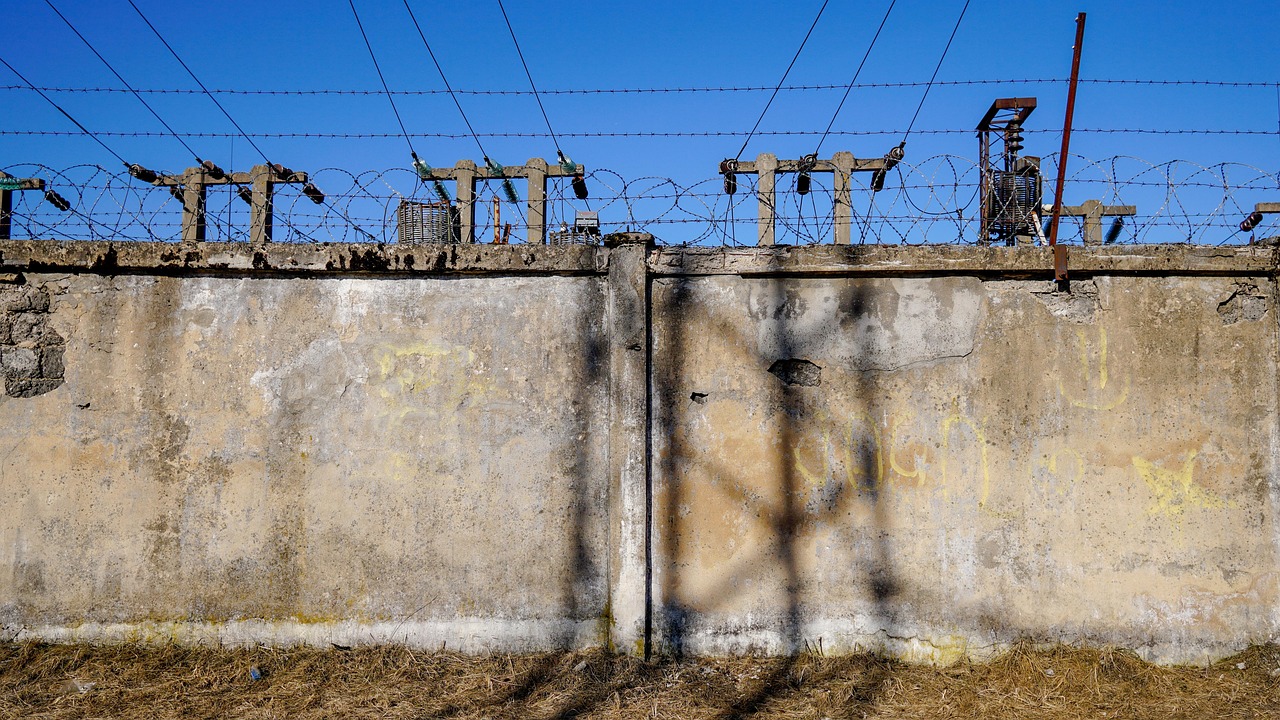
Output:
[[856, 73], [210, 95], [382, 79], [123, 81], [529, 75], [929, 85], [65, 114], [444, 79], [778, 88]]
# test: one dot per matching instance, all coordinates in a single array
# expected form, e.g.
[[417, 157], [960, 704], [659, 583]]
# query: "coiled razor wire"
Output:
[[933, 201]]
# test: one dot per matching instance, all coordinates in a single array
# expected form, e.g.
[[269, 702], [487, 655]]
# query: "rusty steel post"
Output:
[[1059, 255]]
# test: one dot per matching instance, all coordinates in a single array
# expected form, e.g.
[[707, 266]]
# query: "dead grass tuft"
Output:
[[155, 683]]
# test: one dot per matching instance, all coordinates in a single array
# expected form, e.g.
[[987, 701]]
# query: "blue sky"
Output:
[[659, 44]]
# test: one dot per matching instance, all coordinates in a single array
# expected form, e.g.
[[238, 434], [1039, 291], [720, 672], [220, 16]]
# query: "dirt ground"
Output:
[[86, 681]]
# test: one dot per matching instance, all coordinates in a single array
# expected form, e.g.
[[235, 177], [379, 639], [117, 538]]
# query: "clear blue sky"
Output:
[[657, 44]]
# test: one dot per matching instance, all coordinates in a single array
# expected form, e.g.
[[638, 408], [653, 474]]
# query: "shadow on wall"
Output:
[[739, 476]]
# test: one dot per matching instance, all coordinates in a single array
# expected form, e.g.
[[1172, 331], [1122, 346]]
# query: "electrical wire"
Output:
[[202, 87], [65, 114], [385, 89], [927, 87], [856, 73], [783, 80], [124, 82], [529, 75], [444, 79], [243, 134]]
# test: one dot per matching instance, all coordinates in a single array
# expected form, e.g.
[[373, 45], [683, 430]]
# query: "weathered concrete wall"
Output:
[[941, 465], [330, 460], [926, 450]]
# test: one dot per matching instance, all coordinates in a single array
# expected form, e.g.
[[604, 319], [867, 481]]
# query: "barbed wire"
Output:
[[636, 134], [669, 90], [933, 201]]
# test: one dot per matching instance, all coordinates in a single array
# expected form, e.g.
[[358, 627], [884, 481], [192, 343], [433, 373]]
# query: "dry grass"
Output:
[[85, 681]]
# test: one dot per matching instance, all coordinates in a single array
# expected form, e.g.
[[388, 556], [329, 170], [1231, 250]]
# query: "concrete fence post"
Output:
[[536, 172], [767, 170], [628, 333]]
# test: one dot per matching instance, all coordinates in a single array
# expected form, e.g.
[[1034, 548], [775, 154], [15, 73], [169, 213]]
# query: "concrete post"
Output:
[[261, 215], [842, 205], [767, 170], [465, 175], [193, 206], [536, 172], [629, 491], [1093, 211]]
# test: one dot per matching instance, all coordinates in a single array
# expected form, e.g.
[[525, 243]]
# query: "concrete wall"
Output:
[[942, 465], [335, 460], [924, 450]]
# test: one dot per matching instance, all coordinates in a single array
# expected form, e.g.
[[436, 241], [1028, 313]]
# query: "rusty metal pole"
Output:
[[1059, 253]]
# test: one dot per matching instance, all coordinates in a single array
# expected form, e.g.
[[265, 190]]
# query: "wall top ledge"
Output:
[[368, 259]]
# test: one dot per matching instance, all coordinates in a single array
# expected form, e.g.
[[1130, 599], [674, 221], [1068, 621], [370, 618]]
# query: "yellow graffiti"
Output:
[[957, 419], [851, 458], [847, 450], [916, 472], [1096, 389], [1056, 461], [1174, 490], [406, 371]]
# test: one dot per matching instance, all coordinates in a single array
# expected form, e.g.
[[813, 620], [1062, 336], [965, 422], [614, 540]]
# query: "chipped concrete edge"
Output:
[[109, 258], [1012, 262]]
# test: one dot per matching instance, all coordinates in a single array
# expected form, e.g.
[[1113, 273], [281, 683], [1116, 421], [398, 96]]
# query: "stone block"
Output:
[[19, 363]]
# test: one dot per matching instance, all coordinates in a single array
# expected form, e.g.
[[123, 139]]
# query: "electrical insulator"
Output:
[[142, 173], [1251, 221], [729, 168], [420, 167], [176, 192], [580, 187], [441, 191], [1013, 137], [510, 191], [313, 193], [803, 181], [212, 170], [894, 155], [877, 180], [1113, 232], [568, 165], [495, 170], [57, 200], [281, 171], [245, 194]]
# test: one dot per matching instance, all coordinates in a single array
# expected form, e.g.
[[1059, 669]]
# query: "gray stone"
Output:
[[20, 363], [30, 387], [51, 365]]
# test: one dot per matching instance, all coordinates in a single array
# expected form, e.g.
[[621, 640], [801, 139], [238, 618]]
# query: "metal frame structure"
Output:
[[1003, 114], [465, 173]]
